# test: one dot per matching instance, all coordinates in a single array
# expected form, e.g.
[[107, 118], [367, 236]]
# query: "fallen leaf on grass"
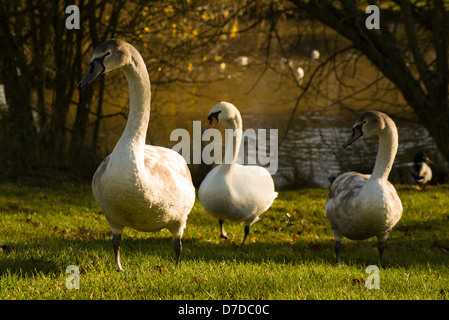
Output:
[[161, 269], [315, 247], [34, 223], [358, 281], [197, 279]]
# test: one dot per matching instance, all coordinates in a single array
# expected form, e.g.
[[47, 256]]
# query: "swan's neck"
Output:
[[233, 140], [388, 146], [133, 137]]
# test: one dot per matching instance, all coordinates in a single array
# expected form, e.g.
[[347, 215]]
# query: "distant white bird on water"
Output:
[[242, 61], [315, 54]]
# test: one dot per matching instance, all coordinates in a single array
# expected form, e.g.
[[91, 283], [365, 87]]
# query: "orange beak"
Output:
[[211, 124]]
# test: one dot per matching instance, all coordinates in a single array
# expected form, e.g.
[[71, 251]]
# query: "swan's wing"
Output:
[[342, 200], [394, 205], [100, 171], [346, 187], [255, 183], [166, 165]]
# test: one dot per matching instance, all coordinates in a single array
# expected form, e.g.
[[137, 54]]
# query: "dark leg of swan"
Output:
[[222, 232], [116, 241], [177, 245], [246, 234], [337, 251], [381, 247]]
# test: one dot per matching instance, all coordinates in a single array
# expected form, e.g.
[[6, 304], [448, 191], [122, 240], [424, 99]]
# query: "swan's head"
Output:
[[223, 111], [109, 55], [368, 122]]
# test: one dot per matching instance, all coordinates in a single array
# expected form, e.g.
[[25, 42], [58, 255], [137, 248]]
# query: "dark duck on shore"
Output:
[[421, 172]]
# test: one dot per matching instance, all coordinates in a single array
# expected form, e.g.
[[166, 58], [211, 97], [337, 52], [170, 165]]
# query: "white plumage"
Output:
[[144, 187], [315, 54], [232, 191], [361, 206]]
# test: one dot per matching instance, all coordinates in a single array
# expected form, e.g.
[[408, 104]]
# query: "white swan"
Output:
[[361, 206], [144, 187], [420, 171], [232, 191], [315, 54]]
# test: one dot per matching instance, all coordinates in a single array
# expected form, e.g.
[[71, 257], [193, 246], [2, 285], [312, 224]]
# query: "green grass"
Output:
[[289, 254]]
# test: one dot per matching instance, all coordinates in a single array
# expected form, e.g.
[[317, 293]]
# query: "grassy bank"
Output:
[[45, 228]]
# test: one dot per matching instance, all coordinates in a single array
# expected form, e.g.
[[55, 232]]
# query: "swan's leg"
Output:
[[381, 241], [116, 241], [246, 234], [381, 247], [337, 250], [222, 231], [177, 245]]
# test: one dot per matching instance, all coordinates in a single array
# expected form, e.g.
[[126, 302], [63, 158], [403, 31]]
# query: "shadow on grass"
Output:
[[87, 252], [13, 261]]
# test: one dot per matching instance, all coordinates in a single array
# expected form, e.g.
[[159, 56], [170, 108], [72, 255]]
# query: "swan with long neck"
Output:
[[361, 206], [144, 187], [232, 191]]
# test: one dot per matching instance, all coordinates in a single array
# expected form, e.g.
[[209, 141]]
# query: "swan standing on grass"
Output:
[[232, 191], [361, 206], [144, 187], [420, 171]]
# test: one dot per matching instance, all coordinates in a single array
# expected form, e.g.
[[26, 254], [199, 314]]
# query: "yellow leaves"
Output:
[[144, 11], [189, 66], [169, 10], [234, 29], [206, 16]]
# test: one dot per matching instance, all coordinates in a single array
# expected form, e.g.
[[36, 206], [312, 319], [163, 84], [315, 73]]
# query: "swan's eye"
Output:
[[91, 67], [213, 115]]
